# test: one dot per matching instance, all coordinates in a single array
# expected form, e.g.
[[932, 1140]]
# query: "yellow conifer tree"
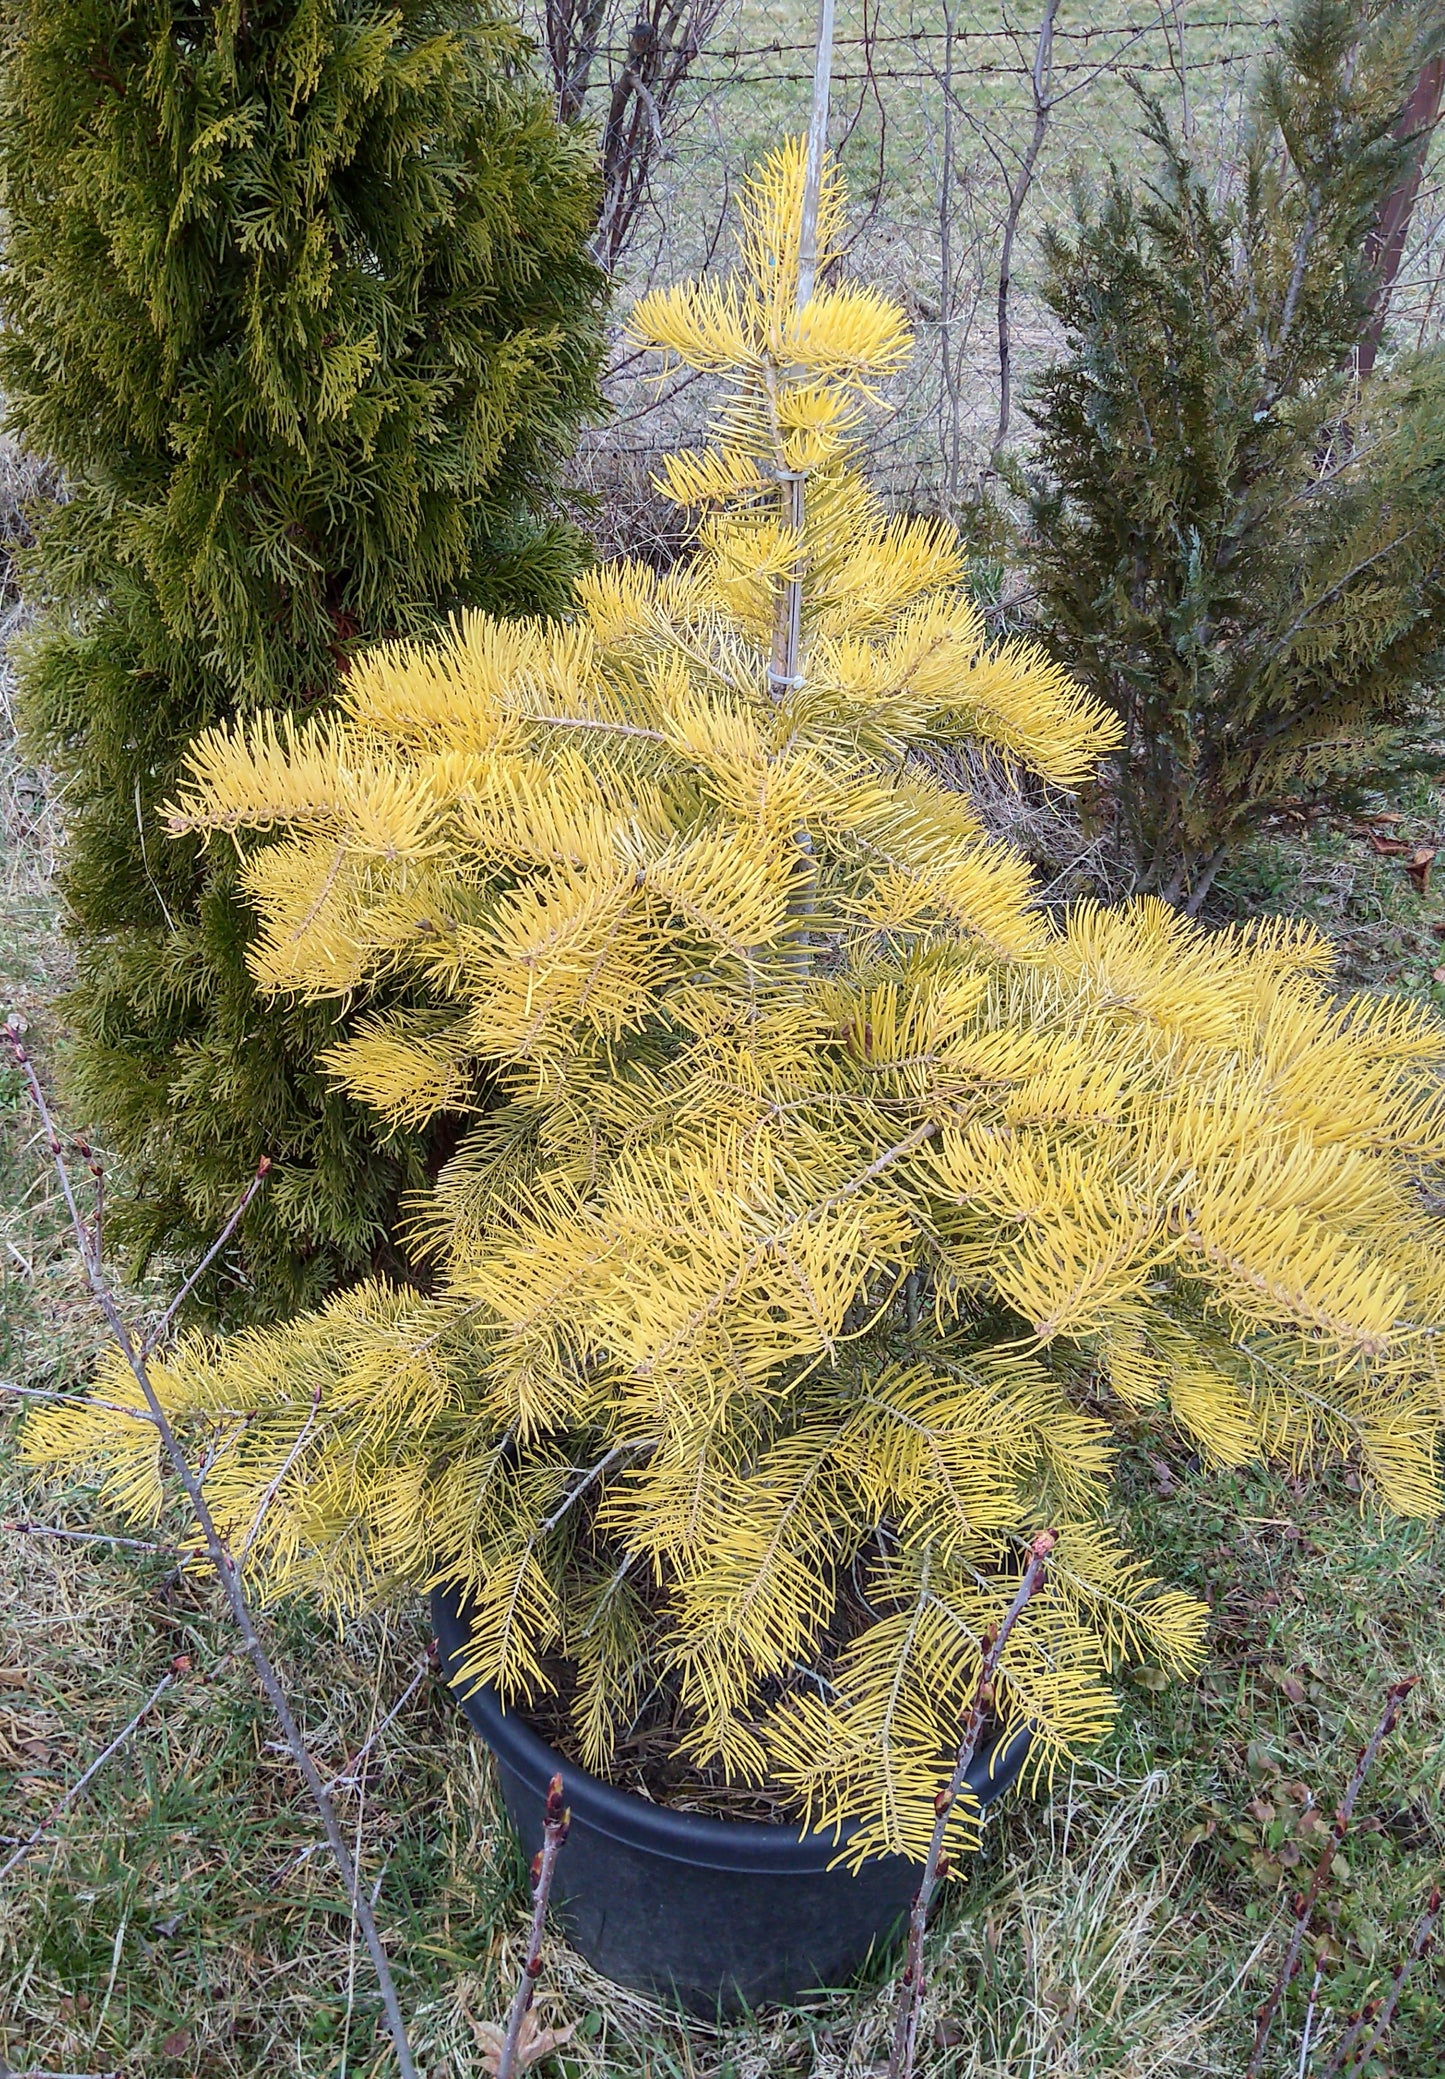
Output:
[[819, 1184]]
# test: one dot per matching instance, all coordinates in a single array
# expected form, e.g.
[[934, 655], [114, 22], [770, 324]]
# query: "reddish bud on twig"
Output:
[[544, 1864]]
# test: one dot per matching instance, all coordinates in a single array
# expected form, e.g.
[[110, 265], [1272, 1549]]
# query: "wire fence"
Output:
[[934, 109]]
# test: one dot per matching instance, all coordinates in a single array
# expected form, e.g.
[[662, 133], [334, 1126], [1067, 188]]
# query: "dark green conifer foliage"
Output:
[[295, 293], [1236, 544]]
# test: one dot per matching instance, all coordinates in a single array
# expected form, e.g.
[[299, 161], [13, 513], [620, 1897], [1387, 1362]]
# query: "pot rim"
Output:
[[698, 1838]]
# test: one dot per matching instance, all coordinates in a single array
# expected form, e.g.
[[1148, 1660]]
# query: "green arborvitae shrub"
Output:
[[1238, 546], [296, 296]]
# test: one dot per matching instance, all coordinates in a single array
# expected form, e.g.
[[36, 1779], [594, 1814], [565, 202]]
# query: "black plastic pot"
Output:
[[716, 1914]]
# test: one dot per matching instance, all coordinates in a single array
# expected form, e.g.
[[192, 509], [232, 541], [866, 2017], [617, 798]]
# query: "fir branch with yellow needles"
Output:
[[814, 1183]]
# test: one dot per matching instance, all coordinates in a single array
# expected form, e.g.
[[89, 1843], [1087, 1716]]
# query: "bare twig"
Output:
[[157, 1334], [1308, 2032], [910, 1990], [82, 1537], [80, 1782], [662, 47], [1348, 2057], [392, 1715], [1041, 80], [589, 1478], [275, 1487], [221, 1559], [90, 1400], [1304, 1902], [346, 1772], [554, 1833]]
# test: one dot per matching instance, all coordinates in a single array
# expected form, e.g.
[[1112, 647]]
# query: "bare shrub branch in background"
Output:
[[911, 1985], [646, 69], [1386, 248]]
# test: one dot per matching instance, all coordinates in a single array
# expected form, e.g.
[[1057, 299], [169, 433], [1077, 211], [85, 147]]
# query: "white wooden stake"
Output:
[[787, 639], [817, 150]]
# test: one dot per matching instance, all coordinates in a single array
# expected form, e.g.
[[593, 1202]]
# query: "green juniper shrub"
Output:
[[1236, 543], [296, 296]]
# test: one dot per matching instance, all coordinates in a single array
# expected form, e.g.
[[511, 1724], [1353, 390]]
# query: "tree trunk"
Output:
[[1386, 245]]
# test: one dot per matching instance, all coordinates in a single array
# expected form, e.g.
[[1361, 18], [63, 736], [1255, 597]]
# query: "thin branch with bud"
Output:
[[79, 1784], [555, 1824], [1304, 1901], [1352, 2055], [911, 1986]]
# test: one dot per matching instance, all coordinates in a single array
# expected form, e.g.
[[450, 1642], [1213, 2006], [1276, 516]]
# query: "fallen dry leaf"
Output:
[[1418, 868], [534, 2043], [1388, 845]]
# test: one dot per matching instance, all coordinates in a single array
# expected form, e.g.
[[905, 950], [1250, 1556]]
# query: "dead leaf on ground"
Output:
[[1387, 846], [534, 2043], [1418, 868], [1291, 1684]]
